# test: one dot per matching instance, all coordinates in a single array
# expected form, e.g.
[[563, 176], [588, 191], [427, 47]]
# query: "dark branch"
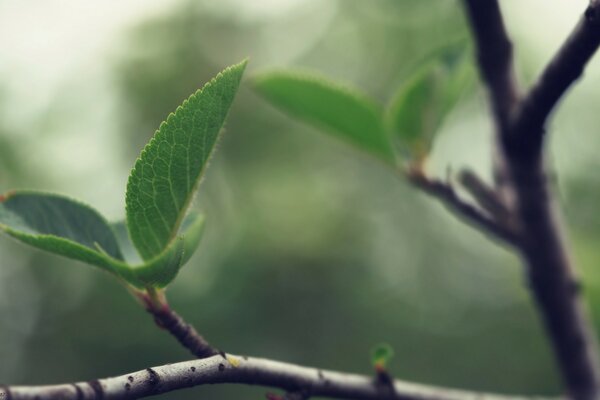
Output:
[[551, 273], [234, 369], [525, 141], [167, 319], [495, 56], [486, 197], [447, 195]]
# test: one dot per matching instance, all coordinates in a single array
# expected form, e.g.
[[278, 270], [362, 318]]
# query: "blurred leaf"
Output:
[[165, 177], [345, 112], [381, 355], [417, 110]]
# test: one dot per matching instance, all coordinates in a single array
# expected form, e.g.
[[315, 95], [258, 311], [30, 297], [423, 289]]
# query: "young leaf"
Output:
[[66, 227], [381, 355], [161, 270], [342, 111], [130, 253], [419, 107], [165, 177], [59, 225]]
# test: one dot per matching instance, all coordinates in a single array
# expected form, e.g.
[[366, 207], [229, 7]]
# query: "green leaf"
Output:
[[69, 228], [342, 111], [381, 355], [60, 225], [419, 107], [193, 228], [129, 251], [162, 269], [165, 177]]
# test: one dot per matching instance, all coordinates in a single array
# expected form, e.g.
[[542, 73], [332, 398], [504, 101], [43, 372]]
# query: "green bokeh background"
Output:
[[313, 252]]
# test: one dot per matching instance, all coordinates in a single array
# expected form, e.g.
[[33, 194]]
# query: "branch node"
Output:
[[444, 192]]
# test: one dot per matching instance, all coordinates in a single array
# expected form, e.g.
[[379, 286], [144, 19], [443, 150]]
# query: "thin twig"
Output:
[[444, 192], [242, 370], [485, 196]]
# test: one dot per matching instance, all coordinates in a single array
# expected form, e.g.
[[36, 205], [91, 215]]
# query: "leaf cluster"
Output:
[[404, 129], [160, 233]]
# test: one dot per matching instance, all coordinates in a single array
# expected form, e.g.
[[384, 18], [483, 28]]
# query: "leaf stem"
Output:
[[444, 192]]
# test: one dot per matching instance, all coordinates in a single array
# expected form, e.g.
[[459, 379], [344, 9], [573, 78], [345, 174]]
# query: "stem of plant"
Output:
[[155, 302]]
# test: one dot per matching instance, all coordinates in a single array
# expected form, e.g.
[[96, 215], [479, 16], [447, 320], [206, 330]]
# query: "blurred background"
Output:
[[313, 253]]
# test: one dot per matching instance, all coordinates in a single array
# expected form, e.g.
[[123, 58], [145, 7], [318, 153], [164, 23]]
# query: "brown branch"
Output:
[[554, 285], [156, 304], [241, 370], [444, 192], [495, 56], [525, 140], [520, 136], [485, 196]]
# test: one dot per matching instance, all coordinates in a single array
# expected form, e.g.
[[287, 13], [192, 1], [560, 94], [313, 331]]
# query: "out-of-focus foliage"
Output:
[[418, 109], [346, 112], [311, 252], [413, 116], [381, 355]]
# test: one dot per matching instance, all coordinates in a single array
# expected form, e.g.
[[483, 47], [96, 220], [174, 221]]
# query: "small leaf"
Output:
[[381, 355], [68, 228], [344, 112], [419, 107], [59, 225], [165, 177]]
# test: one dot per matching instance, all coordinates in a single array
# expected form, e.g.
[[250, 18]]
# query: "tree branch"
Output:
[[156, 304], [525, 140], [551, 273], [243, 370], [495, 56], [486, 197], [444, 192]]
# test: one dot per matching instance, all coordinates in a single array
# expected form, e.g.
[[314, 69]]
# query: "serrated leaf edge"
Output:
[[241, 65]]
